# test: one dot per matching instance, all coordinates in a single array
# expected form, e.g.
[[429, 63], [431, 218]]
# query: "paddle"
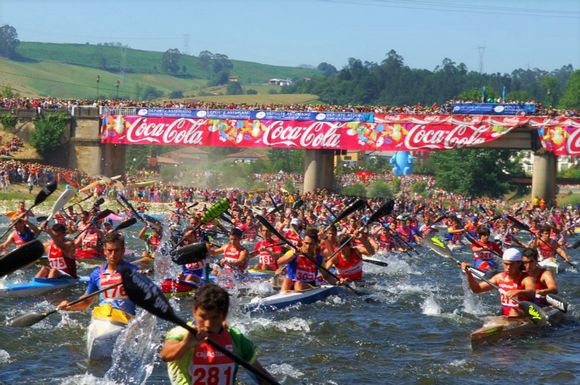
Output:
[[123, 225], [79, 202], [297, 204], [385, 209], [33, 318], [62, 200], [525, 227], [40, 197], [374, 261], [355, 206], [103, 214], [576, 244], [276, 207], [130, 207], [147, 295], [190, 254], [21, 257], [531, 310], [274, 231], [153, 221], [558, 302]]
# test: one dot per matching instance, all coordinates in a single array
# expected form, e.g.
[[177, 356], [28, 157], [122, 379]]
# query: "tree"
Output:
[[48, 133], [152, 93], [234, 88], [205, 58], [176, 94], [327, 69], [8, 41], [475, 172], [571, 97], [170, 61], [551, 91]]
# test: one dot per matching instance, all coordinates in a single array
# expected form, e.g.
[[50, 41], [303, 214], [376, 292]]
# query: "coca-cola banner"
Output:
[[375, 133]]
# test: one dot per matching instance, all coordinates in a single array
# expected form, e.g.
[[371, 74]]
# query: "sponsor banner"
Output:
[[493, 108], [387, 133], [261, 115]]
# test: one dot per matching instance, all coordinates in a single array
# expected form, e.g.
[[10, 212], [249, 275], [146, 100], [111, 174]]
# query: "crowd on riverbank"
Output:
[[49, 103]]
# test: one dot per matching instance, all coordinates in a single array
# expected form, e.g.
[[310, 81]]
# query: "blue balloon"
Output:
[[402, 163]]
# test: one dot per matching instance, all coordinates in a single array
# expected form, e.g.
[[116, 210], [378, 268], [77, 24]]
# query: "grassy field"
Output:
[[70, 71], [262, 99]]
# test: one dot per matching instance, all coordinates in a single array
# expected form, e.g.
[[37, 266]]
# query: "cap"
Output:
[[296, 221], [512, 255]]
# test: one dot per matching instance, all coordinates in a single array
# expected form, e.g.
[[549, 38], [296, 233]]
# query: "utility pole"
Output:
[[481, 51], [98, 81], [117, 84]]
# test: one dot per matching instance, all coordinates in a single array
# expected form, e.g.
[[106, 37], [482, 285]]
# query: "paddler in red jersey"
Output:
[[267, 250], [348, 261], [512, 283], [484, 251], [548, 247], [61, 254], [236, 256], [191, 359], [23, 232], [544, 279]]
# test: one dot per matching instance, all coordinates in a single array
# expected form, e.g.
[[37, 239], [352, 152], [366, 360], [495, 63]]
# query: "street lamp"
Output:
[[117, 84], [98, 81]]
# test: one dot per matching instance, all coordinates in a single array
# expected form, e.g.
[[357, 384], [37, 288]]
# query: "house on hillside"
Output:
[[185, 155], [246, 156], [279, 82]]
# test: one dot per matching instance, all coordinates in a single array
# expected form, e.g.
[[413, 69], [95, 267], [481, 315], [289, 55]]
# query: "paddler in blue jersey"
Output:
[[113, 303], [302, 273]]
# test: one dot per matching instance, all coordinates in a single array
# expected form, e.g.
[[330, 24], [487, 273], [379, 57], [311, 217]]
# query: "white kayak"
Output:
[[38, 286], [285, 299], [101, 338]]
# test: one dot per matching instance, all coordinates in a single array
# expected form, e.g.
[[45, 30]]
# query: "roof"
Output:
[[247, 154]]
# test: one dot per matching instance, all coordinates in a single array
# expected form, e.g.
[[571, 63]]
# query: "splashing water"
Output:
[[430, 306]]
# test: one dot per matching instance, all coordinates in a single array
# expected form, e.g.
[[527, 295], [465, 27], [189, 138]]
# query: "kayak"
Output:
[[257, 273], [38, 286], [550, 265], [498, 327], [289, 298], [103, 331], [177, 287]]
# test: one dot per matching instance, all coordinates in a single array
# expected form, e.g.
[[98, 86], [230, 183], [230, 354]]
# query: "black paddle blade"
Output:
[[190, 253], [99, 202], [152, 220], [45, 192], [273, 230], [27, 320], [385, 209], [147, 295], [125, 224], [534, 312], [20, 257], [43, 218], [517, 223], [103, 214], [357, 205], [576, 244]]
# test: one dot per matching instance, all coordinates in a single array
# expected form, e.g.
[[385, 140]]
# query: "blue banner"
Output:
[[259, 115], [493, 108]]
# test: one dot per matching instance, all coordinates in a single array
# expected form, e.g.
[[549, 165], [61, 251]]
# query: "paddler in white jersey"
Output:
[[512, 282]]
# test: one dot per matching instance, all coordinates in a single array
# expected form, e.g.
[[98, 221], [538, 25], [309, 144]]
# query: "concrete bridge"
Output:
[[86, 152]]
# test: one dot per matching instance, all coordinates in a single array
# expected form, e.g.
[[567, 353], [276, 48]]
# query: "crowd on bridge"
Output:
[[49, 103]]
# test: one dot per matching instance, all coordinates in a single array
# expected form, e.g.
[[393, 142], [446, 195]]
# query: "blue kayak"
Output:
[[38, 286]]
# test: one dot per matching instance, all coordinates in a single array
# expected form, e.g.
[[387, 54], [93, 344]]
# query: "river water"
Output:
[[412, 327]]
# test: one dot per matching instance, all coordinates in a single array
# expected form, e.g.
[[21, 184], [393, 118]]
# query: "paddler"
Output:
[[302, 273], [113, 303], [544, 279], [267, 250], [512, 282], [484, 251], [189, 357], [547, 247], [61, 254], [236, 257], [23, 232], [348, 261]]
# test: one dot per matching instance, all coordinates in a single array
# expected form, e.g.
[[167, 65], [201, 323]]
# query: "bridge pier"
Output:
[[544, 177], [318, 170]]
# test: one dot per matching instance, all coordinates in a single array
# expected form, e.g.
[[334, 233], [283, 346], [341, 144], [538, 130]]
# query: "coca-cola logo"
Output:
[[419, 137], [175, 132], [573, 143], [314, 135]]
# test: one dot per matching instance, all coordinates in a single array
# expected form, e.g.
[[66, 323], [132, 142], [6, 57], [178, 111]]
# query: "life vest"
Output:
[[303, 269], [546, 249], [107, 279], [351, 269], [506, 284], [20, 239], [265, 258], [90, 240], [483, 259], [293, 237], [210, 366], [57, 260], [231, 254]]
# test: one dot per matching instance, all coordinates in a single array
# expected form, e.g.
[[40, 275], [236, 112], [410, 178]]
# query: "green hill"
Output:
[[70, 70]]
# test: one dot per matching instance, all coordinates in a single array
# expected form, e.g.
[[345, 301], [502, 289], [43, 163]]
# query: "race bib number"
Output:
[[305, 276], [213, 374], [58, 263]]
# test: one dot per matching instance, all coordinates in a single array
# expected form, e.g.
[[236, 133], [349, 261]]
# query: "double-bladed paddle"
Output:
[[40, 197], [147, 295], [355, 206], [102, 215], [30, 319], [531, 310], [123, 225], [62, 200], [523, 226], [475, 242], [130, 207]]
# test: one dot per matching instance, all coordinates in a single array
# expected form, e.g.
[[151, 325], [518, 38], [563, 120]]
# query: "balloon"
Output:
[[402, 163]]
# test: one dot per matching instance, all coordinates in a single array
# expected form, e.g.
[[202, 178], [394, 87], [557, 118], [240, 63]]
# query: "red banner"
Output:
[[386, 133]]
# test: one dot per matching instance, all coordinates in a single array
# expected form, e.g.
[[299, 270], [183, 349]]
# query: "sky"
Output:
[[488, 35]]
